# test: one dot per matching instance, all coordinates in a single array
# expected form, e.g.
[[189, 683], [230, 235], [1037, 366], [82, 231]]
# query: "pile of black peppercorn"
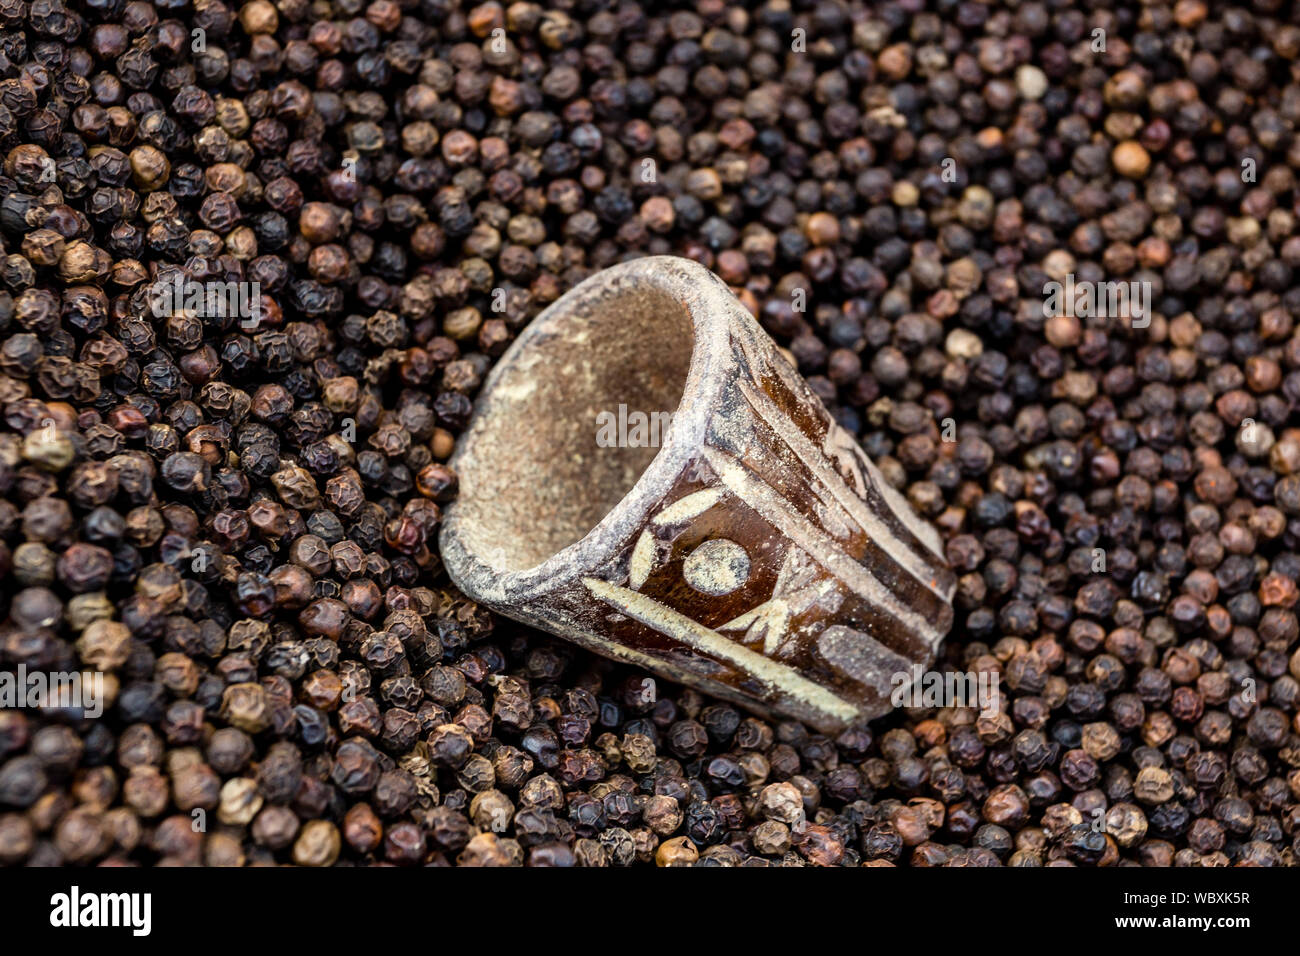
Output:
[[235, 521]]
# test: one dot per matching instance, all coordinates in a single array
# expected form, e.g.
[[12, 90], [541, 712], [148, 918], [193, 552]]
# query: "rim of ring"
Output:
[[711, 307]]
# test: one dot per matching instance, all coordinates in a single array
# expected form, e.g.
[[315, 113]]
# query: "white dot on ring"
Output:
[[716, 567]]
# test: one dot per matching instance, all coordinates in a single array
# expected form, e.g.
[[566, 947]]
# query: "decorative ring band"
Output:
[[647, 476]]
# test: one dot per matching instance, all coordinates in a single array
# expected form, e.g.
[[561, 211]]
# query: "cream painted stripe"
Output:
[[693, 504], [858, 509], [823, 549], [924, 531], [926, 534], [695, 635], [643, 559]]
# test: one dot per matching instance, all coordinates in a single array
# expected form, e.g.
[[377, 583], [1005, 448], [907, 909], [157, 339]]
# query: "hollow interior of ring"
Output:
[[541, 475]]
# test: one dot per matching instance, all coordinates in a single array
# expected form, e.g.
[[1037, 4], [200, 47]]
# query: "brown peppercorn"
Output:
[[679, 851], [1131, 159], [258, 17]]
